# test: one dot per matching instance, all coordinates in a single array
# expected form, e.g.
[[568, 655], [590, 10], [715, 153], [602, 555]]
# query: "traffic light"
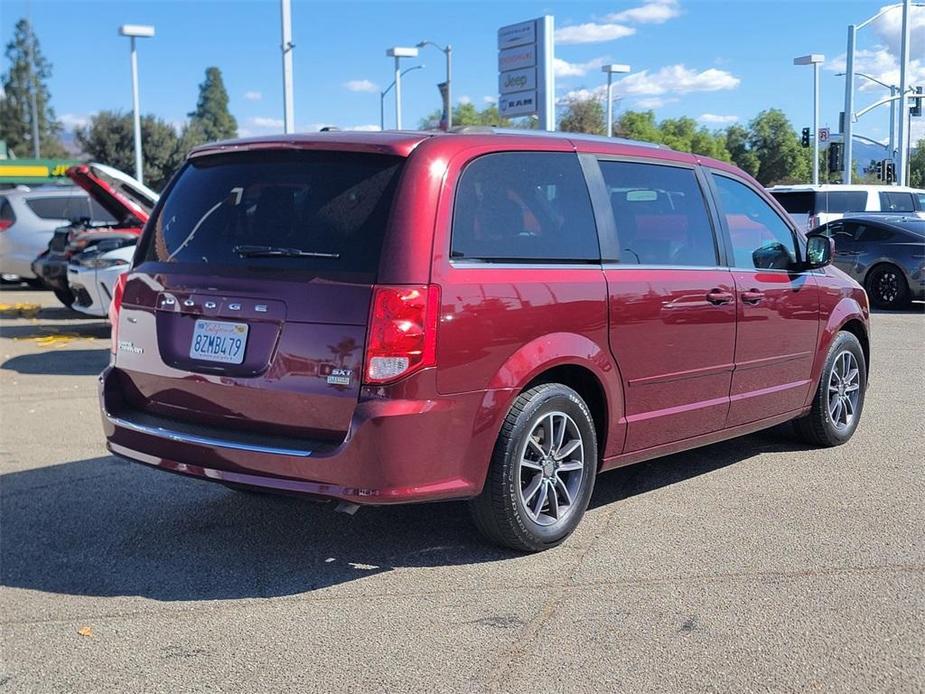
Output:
[[835, 157], [917, 100], [805, 139], [889, 171], [880, 170]]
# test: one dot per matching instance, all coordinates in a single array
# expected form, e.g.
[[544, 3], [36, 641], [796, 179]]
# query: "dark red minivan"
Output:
[[383, 318]]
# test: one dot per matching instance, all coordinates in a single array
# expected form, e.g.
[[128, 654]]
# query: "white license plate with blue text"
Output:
[[215, 340]]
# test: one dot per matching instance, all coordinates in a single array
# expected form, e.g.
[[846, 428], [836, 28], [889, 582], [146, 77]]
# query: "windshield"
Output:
[[281, 211]]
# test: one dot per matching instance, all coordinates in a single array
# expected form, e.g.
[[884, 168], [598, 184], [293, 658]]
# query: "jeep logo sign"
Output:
[[517, 81]]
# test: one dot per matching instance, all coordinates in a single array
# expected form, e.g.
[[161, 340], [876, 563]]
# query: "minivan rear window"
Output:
[[322, 212], [802, 204]]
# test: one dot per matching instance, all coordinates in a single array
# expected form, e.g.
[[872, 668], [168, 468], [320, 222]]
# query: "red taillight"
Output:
[[114, 307], [5, 224], [402, 332]]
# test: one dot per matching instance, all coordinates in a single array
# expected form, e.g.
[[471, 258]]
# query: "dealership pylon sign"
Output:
[[526, 82]]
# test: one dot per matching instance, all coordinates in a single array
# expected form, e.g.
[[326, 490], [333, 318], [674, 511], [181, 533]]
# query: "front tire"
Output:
[[887, 288], [839, 398], [542, 471]]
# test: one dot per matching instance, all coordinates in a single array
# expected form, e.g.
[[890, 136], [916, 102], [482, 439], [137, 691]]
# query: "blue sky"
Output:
[[714, 61]]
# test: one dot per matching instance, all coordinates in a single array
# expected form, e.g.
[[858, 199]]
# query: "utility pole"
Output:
[[903, 99], [287, 46], [36, 143], [849, 104]]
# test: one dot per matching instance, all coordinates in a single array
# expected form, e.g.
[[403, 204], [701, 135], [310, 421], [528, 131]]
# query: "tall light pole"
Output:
[[448, 52], [136, 31], [612, 70], [893, 99], [383, 93], [903, 96], [287, 46], [816, 60], [399, 52], [849, 82]]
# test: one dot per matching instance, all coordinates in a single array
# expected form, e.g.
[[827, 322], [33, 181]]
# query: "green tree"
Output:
[[584, 116], [212, 117], [18, 82], [108, 138], [737, 145], [684, 135], [775, 143], [467, 114], [638, 125], [917, 166]]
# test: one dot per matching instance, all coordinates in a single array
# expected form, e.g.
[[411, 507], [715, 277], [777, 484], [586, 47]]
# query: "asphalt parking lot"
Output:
[[752, 565]]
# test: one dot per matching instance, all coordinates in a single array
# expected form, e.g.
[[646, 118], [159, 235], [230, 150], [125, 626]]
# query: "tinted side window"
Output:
[[660, 215], [760, 238], [871, 234], [840, 231], [522, 206], [896, 202], [919, 201], [70, 207], [846, 201]]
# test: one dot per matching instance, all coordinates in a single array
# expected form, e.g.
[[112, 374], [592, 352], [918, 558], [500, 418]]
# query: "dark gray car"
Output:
[[885, 253]]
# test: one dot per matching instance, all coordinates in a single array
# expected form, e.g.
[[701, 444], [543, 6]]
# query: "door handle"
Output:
[[718, 297], [752, 296]]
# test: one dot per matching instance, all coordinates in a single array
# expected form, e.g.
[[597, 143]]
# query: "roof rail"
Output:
[[497, 130]]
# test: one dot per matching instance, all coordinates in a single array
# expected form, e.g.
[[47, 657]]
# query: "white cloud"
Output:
[[583, 95], [253, 95], [676, 79], [653, 102], [361, 86], [73, 120], [266, 122], [490, 100], [592, 32], [889, 29], [713, 119], [881, 64], [563, 68], [465, 99], [651, 12], [364, 128]]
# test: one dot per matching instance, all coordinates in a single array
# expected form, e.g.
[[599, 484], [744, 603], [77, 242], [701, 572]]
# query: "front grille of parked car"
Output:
[[81, 295]]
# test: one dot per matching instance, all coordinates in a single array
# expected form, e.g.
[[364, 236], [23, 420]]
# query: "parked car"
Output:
[[29, 217], [127, 201], [485, 315], [814, 205], [884, 253], [92, 275]]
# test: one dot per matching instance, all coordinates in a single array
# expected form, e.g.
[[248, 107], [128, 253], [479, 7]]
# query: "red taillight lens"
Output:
[[114, 307], [402, 332], [5, 224]]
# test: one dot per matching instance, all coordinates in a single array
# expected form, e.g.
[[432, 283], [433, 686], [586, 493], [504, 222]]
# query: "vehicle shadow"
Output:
[[70, 362], [106, 527], [916, 307], [93, 329]]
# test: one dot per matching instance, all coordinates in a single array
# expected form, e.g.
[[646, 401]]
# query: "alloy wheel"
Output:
[[551, 468], [887, 286], [844, 390]]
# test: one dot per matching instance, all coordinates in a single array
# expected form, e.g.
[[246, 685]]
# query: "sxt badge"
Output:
[[339, 377]]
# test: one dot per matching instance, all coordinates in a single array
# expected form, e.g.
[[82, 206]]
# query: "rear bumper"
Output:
[[396, 450]]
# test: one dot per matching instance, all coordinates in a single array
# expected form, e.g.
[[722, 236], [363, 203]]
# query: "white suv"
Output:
[[812, 206], [29, 217]]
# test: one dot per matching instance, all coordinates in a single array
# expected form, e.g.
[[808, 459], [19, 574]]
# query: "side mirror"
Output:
[[819, 250]]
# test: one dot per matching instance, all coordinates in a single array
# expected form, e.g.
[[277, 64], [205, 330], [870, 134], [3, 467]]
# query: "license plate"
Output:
[[215, 340]]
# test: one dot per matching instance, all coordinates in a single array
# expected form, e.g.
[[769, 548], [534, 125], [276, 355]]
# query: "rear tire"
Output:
[[65, 296], [542, 471], [887, 287], [839, 399]]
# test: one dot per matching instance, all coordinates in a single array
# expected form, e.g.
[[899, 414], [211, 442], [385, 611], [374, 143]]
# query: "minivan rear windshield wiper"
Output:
[[271, 251]]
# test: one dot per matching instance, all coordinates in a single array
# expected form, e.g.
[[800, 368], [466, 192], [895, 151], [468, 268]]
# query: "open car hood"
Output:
[[122, 196]]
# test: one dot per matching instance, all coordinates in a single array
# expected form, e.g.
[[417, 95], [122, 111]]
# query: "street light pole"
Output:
[[383, 93], [816, 60], [903, 96], [612, 70], [448, 52], [399, 52], [134, 31], [287, 46], [849, 105]]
